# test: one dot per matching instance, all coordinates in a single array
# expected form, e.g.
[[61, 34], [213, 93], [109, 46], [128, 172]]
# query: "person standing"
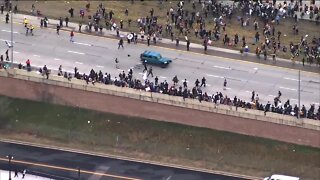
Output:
[[225, 84], [188, 45], [67, 21], [7, 18], [148, 40], [71, 36]]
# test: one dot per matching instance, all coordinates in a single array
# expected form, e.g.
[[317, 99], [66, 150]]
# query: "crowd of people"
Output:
[[184, 90]]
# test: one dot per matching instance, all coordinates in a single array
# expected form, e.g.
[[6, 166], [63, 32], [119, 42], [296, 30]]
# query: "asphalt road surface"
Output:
[[63, 165], [99, 53]]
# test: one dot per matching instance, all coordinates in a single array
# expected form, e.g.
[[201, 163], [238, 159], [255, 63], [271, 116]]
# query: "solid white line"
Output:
[[291, 79], [221, 67], [78, 62], [288, 88], [36, 55], [57, 59], [3, 30], [76, 52], [85, 44]]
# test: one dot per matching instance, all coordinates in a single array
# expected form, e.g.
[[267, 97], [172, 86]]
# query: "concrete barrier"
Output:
[[163, 99]]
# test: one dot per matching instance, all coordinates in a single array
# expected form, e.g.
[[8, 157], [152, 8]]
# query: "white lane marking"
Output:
[[85, 44], [7, 40], [255, 68], [294, 99], [76, 52], [163, 77], [14, 32], [249, 91], [99, 66], [209, 85], [315, 103], [227, 88], [120, 70], [57, 59], [221, 67], [288, 88], [36, 55], [141, 73], [291, 79], [210, 75], [16, 52], [78, 62], [271, 95]]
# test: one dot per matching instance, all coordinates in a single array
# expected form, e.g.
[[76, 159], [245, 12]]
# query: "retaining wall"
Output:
[[108, 98]]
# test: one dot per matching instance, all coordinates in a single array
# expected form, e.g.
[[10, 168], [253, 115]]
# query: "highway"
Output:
[[87, 52], [59, 164]]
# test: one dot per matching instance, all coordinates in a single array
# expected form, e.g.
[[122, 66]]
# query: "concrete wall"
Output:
[[109, 98]]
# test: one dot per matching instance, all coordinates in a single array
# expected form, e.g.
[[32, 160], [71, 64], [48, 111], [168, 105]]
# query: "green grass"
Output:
[[59, 8], [154, 140]]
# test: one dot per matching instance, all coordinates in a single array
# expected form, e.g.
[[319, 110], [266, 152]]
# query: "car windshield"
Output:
[[159, 56]]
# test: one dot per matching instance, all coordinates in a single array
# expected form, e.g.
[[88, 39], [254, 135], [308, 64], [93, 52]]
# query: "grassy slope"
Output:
[[56, 9], [158, 141]]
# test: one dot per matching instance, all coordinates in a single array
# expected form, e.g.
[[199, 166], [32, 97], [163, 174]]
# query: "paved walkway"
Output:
[[4, 175]]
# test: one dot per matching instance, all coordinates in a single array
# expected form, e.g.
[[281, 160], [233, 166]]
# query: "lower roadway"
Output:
[[61, 164]]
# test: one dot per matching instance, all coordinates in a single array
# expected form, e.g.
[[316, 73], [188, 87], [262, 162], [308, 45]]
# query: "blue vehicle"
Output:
[[151, 57]]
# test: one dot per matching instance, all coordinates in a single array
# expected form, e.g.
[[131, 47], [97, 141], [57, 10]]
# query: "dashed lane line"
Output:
[[78, 62], [35, 55], [85, 44], [291, 89], [14, 32], [75, 52], [57, 59]]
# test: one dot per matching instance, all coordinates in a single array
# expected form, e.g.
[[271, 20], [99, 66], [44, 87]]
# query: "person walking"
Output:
[[120, 44], [225, 84], [31, 29], [203, 82], [24, 173], [117, 63], [7, 55], [150, 72], [145, 66], [16, 173], [71, 36], [58, 29]]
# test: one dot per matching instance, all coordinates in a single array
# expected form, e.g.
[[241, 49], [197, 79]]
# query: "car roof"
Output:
[[283, 177], [151, 53]]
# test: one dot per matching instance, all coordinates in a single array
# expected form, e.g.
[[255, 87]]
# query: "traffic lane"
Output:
[[102, 164], [51, 37], [92, 59]]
